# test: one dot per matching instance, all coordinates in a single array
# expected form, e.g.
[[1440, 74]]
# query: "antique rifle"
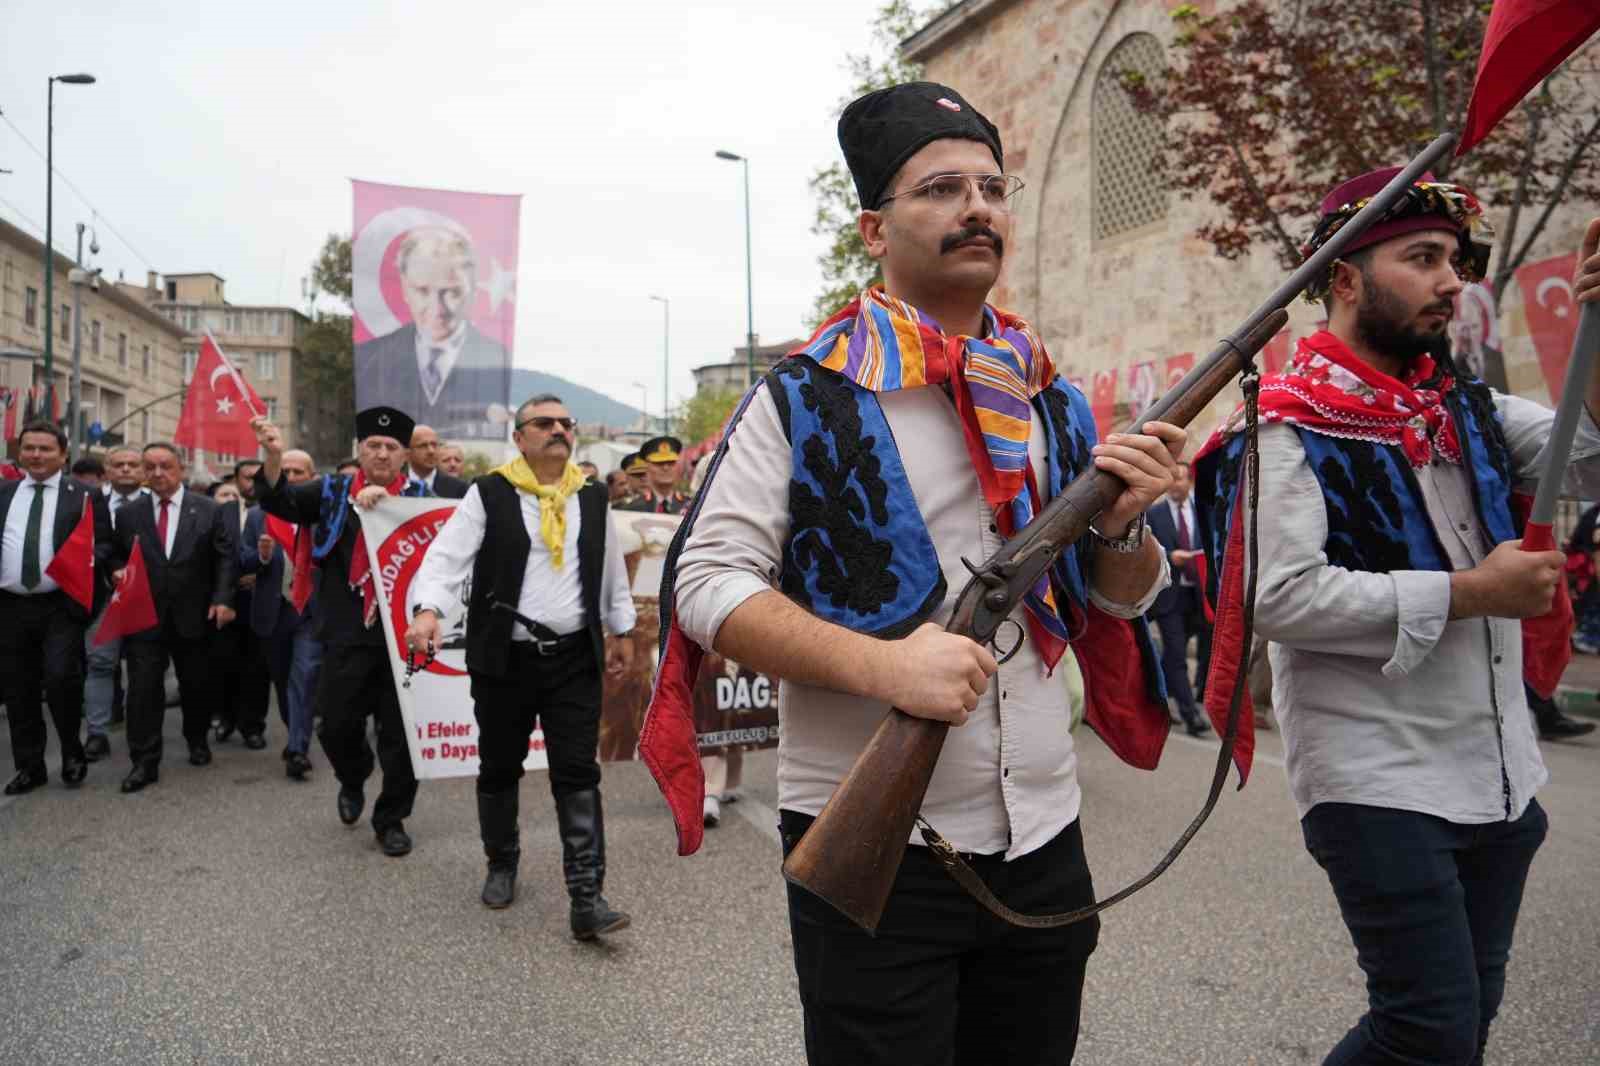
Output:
[[851, 853]]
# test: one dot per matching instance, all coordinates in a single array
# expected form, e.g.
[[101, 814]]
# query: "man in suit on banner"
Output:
[[438, 367], [190, 548], [41, 627]]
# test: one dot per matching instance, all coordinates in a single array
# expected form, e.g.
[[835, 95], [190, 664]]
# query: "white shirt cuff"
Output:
[[701, 615], [1422, 609]]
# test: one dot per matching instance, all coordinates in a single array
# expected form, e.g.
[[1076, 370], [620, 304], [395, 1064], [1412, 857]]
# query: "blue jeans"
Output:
[[100, 679], [1431, 906], [296, 658]]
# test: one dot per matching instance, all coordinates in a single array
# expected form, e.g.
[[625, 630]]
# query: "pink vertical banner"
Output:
[[1144, 385], [434, 275], [1552, 314], [1103, 401], [1177, 366]]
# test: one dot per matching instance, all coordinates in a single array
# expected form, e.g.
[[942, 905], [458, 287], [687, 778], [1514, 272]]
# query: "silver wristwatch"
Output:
[[1127, 545]]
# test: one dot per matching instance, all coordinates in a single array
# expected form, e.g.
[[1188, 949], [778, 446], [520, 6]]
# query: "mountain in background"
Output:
[[586, 405]]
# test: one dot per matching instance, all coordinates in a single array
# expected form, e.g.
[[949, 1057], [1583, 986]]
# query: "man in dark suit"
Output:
[[294, 653], [41, 627], [189, 545], [424, 464], [1179, 611], [438, 368]]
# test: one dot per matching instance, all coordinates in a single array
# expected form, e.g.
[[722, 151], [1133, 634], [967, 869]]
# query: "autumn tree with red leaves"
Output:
[[1269, 105]]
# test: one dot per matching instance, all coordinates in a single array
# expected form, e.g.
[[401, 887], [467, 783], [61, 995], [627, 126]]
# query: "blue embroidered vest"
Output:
[[1377, 517], [859, 553]]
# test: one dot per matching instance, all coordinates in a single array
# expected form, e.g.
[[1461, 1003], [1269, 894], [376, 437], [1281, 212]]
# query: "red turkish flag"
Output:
[[1552, 314], [219, 406], [1524, 41], [1177, 366], [132, 609], [1103, 400], [73, 565]]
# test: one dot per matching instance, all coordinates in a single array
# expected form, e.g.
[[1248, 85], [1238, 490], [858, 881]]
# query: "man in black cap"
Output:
[[356, 679], [661, 496], [920, 426]]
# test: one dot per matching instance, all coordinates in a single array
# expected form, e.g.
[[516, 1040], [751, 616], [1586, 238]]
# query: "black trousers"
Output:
[[356, 681], [239, 660], [1186, 619], [148, 654], [41, 649], [562, 693], [944, 982]]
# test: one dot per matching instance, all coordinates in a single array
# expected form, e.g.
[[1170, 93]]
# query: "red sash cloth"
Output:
[[360, 567]]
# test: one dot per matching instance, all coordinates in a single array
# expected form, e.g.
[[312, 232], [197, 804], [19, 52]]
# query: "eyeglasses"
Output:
[[544, 423], [950, 190]]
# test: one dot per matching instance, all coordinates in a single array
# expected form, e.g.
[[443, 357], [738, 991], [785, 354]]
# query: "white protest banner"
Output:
[[734, 707]]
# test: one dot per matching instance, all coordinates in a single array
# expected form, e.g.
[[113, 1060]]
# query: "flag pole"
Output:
[[1539, 535]]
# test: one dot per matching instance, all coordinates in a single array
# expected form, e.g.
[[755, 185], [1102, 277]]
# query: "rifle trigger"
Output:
[[1016, 645]]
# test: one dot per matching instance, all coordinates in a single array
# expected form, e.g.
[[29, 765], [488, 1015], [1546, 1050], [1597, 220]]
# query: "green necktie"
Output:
[[30, 540]]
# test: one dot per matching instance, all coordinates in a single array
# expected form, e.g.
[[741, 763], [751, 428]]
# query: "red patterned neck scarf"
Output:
[[1328, 389], [360, 568]]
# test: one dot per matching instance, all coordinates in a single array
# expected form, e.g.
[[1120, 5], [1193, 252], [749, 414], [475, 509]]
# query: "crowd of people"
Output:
[[919, 427]]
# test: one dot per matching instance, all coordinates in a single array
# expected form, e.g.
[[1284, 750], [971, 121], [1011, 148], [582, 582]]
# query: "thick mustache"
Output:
[[970, 233], [1447, 309]]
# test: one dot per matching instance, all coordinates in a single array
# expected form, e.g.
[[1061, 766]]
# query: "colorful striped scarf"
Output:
[[884, 344]]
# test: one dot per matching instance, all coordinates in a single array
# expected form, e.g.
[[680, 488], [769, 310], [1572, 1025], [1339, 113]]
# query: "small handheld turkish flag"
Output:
[[218, 407], [73, 565], [1523, 42], [132, 609]]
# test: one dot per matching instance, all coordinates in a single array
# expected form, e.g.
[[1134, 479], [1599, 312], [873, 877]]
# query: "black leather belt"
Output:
[[546, 641]]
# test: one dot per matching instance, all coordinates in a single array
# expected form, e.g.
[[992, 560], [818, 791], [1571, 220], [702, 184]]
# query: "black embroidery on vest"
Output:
[[1074, 445], [1361, 507], [828, 532]]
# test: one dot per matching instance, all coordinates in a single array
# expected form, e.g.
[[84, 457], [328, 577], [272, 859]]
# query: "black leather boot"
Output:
[[497, 823], [583, 860]]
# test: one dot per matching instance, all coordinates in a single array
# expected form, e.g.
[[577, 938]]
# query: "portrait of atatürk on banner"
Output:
[[434, 275]]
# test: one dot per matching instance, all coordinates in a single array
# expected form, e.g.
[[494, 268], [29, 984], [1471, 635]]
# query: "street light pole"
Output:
[[49, 220], [666, 339], [749, 273], [75, 393], [644, 404]]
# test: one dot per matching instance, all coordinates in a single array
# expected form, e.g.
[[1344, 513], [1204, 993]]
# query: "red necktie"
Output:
[[1183, 528], [161, 525]]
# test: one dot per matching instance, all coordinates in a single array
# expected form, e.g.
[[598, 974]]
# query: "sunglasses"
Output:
[[544, 423]]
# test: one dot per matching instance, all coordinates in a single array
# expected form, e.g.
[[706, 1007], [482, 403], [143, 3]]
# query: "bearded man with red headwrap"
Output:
[[1394, 590]]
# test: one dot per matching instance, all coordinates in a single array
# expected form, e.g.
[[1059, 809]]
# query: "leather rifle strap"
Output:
[[965, 876]]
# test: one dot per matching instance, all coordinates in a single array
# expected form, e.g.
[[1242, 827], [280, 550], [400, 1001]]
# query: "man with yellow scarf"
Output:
[[549, 603]]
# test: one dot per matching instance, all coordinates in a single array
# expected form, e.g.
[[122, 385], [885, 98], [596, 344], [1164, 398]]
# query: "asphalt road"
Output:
[[225, 916]]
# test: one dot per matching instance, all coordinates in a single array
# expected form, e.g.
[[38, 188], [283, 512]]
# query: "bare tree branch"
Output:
[[1580, 150]]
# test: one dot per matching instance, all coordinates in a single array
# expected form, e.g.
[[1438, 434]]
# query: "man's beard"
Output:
[[1388, 328]]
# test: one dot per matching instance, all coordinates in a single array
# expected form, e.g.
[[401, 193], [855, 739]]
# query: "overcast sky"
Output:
[[221, 137]]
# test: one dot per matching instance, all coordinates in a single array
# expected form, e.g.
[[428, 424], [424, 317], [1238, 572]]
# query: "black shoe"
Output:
[[26, 781], [297, 766], [1558, 726], [223, 733], [500, 887], [199, 754], [140, 776], [351, 801], [255, 741], [599, 919], [73, 771], [97, 747], [394, 841]]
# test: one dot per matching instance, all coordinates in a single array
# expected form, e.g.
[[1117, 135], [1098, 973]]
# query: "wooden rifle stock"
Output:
[[851, 853]]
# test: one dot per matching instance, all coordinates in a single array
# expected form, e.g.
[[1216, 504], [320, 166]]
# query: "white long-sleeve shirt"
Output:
[[1382, 699], [1006, 781], [552, 597]]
